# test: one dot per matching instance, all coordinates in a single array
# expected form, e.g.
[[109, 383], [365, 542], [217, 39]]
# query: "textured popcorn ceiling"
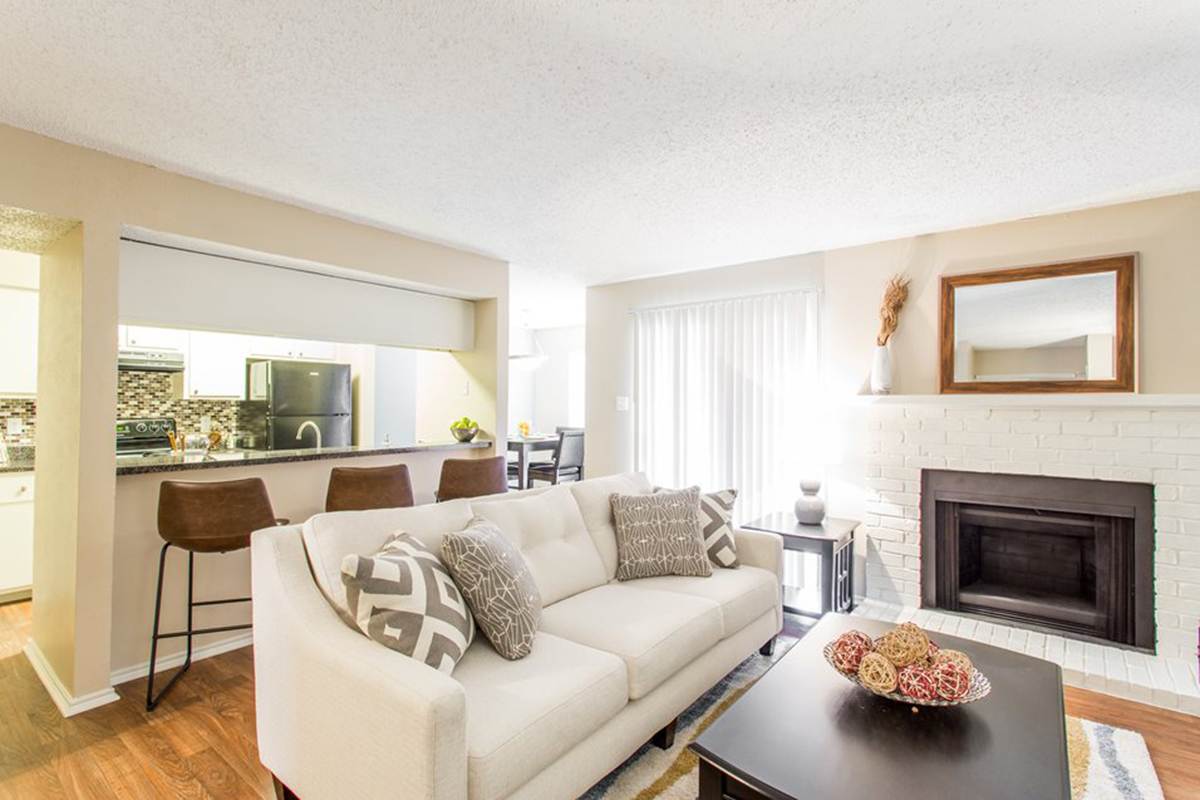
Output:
[[28, 231], [596, 141]]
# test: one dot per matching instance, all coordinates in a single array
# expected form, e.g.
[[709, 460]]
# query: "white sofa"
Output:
[[341, 716]]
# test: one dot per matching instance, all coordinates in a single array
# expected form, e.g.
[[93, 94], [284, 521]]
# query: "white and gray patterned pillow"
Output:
[[404, 598], [659, 534], [498, 585], [716, 526]]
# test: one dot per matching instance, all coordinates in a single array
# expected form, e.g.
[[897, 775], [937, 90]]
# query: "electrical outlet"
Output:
[[206, 424], [622, 403], [466, 388], [14, 426]]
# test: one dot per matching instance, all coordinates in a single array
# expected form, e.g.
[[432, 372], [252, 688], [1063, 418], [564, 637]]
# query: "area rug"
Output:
[[1106, 763]]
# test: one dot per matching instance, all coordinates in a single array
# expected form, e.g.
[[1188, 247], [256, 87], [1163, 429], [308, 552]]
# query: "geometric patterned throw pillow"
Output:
[[659, 534], [497, 584], [716, 526], [404, 598]]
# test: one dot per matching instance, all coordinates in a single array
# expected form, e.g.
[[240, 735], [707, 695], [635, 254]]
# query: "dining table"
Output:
[[523, 446]]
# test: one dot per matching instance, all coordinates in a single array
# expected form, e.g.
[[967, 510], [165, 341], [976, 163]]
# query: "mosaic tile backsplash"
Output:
[[149, 394], [18, 408]]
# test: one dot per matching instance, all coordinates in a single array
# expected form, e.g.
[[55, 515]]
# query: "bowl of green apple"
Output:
[[465, 429]]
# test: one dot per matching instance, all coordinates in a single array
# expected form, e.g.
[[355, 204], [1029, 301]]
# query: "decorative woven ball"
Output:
[[951, 681], [848, 651], [877, 673], [862, 637], [954, 657], [927, 659], [917, 682], [903, 644]]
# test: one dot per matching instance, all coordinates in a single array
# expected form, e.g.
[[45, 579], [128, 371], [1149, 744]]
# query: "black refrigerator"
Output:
[[298, 404]]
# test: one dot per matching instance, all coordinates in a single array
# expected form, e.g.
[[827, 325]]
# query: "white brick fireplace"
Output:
[[1144, 439]]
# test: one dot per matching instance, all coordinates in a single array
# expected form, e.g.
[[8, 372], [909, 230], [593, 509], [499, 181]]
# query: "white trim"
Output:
[[200, 653], [15, 594], [68, 705], [1082, 400]]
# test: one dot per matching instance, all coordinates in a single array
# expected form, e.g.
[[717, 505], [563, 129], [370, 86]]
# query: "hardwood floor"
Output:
[[200, 742]]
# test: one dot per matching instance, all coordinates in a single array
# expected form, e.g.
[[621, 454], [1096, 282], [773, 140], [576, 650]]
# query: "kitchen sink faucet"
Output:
[[306, 424]]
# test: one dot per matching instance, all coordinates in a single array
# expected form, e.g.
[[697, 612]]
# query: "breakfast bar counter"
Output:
[[169, 462]]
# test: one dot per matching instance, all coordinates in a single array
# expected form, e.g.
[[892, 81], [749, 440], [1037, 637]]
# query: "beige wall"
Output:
[[104, 193], [1165, 231]]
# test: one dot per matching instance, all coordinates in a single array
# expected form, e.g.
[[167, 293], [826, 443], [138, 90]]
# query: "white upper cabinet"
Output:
[[18, 341], [154, 338], [216, 365], [278, 347]]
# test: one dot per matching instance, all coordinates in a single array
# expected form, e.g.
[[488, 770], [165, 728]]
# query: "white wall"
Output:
[[395, 396], [553, 391]]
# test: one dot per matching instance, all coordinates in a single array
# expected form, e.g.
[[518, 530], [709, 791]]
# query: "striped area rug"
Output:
[[1106, 763]]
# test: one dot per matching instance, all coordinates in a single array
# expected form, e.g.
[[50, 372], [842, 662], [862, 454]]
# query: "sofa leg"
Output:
[[768, 649], [282, 792], [665, 738]]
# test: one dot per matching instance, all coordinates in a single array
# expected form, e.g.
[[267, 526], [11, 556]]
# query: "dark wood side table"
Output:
[[833, 541]]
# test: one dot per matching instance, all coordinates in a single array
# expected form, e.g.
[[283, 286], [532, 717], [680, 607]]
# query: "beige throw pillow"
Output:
[[497, 584], [659, 534]]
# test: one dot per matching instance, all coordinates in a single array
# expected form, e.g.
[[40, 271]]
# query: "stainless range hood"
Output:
[[143, 359]]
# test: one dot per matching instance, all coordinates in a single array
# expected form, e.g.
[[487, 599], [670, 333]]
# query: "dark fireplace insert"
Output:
[[1064, 554]]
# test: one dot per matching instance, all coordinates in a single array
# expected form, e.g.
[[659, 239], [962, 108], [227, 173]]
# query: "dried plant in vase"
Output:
[[889, 319]]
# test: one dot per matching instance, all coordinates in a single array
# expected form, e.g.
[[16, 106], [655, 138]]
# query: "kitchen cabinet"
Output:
[[18, 332], [154, 338], [16, 535], [305, 349], [216, 365]]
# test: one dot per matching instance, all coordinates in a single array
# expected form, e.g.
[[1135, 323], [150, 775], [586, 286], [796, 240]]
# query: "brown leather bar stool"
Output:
[[472, 477], [215, 517], [360, 488]]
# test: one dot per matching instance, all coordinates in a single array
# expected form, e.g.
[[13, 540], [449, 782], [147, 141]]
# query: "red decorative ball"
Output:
[[951, 681], [867, 641], [917, 682], [848, 651]]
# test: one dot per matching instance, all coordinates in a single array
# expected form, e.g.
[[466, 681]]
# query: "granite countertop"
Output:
[[142, 465], [20, 459]]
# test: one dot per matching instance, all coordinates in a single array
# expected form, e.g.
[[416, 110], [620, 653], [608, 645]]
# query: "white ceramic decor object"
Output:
[[810, 509], [881, 371]]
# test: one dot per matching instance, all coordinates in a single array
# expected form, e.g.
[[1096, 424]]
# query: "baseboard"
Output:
[[68, 705], [199, 653], [16, 594]]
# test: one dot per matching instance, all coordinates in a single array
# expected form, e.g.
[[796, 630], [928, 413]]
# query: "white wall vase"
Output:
[[810, 508], [881, 370]]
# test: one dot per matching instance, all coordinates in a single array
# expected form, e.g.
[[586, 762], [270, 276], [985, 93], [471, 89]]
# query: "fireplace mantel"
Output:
[[1081, 400]]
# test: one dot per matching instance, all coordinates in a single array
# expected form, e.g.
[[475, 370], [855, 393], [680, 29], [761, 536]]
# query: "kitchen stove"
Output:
[[139, 437]]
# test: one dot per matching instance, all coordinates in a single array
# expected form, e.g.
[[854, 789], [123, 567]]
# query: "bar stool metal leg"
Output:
[[152, 701]]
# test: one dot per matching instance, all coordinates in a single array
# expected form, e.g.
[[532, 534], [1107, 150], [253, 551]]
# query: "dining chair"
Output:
[[567, 462]]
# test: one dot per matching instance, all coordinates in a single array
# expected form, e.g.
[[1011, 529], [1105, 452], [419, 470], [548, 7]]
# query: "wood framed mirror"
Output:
[[1055, 328]]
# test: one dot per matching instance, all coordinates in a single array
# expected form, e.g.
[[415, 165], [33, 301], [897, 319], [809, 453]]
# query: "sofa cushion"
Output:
[[593, 496], [329, 538], [523, 715], [548, 529], [403, 598], [744, 594], [659, 534], [655, 633], [497, 583]]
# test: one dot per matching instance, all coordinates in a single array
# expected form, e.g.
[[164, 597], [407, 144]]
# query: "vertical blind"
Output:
[[727, 395]]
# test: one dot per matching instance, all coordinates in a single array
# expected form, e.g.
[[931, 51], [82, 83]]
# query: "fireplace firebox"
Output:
[[1064, 554]]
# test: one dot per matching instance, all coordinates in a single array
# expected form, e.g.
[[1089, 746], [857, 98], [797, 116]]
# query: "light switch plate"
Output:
[[622, 403]]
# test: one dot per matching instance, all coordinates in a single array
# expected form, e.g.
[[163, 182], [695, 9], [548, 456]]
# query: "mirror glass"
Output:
[[1045, 329]]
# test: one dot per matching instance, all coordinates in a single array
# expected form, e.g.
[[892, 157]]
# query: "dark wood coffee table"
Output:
[[803, 732]]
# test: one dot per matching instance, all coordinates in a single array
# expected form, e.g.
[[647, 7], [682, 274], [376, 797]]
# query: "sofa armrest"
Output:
[[759, 549], [339, 715]]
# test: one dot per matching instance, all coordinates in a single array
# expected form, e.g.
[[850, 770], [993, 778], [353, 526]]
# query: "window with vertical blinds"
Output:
[[728, 394]]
